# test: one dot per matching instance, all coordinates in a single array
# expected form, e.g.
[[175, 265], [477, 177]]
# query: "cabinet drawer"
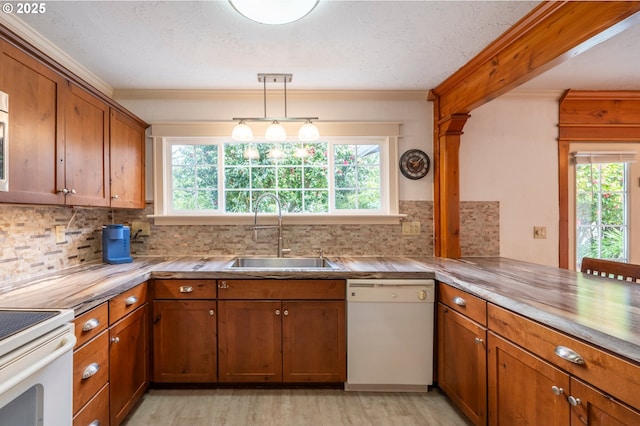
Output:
[[91, 323], [127, 302], [613, 375], [96, 412], [184, 289], [458, 300], [90, 370], [282, 289]]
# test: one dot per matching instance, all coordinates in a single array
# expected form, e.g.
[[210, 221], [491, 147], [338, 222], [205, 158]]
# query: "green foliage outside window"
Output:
[[301, 182], [601, 204]]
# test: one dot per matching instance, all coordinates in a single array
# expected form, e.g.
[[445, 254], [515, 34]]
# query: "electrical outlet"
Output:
[[61, 236], [410, 228], [143, 227], [540, 232]]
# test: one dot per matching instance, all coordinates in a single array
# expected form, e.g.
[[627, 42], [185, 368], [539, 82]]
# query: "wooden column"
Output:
[[446, 151]]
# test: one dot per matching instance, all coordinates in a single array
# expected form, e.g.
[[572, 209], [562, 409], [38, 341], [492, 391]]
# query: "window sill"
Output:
[[324, 219]]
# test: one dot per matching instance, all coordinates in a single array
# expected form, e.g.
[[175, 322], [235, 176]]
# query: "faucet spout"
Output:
[[279, 225]]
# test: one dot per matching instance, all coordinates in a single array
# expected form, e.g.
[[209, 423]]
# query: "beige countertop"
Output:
[[597, 310]]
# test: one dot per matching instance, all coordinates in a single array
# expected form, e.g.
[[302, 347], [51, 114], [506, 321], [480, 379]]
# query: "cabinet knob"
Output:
[[277, 312], [186, 289], [90, 324], [223, 284], [556, 390], [90, 370], [65, 191], [478, 340], [459, 301], [130, 300], [569, 355], [212, 312], [114, 197], [574, 402], [115, 340], [422, 295], [286, 312]]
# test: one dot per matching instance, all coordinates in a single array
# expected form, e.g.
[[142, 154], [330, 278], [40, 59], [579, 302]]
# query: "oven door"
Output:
[[36, 381]]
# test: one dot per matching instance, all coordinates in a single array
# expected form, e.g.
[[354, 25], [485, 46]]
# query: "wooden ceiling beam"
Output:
[[551, 33]]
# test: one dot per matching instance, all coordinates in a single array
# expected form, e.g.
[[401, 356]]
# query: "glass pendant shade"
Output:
[[251, 154], [308, 132], [275, 132], [242, 132], [276, 154], [274, 12]]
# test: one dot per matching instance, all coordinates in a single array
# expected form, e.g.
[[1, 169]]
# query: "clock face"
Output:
[[414, 164]]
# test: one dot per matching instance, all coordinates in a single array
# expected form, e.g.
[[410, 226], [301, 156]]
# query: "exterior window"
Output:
[[333, 176], [602, 229]]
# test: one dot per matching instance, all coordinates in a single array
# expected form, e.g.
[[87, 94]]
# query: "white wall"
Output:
[[509, 153], [411, 109]]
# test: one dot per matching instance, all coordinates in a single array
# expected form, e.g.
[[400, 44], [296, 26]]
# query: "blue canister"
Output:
[[116, 246]]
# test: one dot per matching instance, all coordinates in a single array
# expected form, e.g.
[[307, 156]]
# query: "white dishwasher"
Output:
[[390, 326]]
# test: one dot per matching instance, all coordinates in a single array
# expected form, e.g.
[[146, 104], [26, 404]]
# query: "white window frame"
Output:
[[385, 134]]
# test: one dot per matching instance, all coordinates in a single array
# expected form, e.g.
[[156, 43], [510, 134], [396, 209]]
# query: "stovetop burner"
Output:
[[12, 321]]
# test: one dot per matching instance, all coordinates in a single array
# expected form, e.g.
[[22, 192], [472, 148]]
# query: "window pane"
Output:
[[263, 177], [237, 202], [194, 174], [289, 177], [236, 177], [291, 201], [346, 199], [316, 201], [207, 200]]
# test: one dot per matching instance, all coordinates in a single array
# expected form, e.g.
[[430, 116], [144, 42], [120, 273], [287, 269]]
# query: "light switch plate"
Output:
[[410, 228], [61, 237], [540, 232]]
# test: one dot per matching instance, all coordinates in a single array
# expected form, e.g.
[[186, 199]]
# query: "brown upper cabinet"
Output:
[[68, 144]]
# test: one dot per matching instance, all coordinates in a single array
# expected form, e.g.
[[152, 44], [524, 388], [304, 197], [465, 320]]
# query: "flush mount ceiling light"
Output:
[[275, 132], [274, 12]]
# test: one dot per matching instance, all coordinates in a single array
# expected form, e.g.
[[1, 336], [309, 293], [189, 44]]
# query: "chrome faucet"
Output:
[[279, 225]]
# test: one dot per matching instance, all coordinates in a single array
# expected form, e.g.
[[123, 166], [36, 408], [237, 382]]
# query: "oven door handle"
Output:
[[68, 342]]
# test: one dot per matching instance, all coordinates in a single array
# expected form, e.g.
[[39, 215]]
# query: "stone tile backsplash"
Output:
[[28, 248]]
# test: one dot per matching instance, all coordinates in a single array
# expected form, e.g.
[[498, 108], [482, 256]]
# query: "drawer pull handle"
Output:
[[459, 301], [186, 289], [90, 370], [90, 324], [574, 402], [223, 284], [95, 423], [556, 390], [569, 354], [130, 300]]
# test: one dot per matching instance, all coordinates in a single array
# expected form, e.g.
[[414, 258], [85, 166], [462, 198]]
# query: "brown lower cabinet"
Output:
[[264, 337], [528, 379]]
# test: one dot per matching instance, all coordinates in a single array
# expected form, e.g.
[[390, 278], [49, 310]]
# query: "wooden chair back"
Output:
[[611, 269]]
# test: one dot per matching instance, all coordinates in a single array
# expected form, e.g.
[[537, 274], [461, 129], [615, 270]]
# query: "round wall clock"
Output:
[[415, 164]]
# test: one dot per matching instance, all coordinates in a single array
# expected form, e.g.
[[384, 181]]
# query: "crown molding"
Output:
[[316, 95], [38, 41]]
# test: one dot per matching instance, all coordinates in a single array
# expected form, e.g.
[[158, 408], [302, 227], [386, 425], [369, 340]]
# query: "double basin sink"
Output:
[[282, 264]]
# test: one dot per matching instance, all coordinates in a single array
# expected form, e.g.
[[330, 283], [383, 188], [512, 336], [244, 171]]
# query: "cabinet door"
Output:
[[35, 127], [521, 387], [594, 408], [313, 341], [462, 363], [84, 165], [128, 365], [184, 341], [127, 161], [249, 341]]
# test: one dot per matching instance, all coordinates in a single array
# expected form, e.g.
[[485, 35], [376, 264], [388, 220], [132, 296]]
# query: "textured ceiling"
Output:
[[341, 45], [391, 45]]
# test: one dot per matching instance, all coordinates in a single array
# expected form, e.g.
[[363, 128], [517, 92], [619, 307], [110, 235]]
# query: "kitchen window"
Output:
[[334, 179]]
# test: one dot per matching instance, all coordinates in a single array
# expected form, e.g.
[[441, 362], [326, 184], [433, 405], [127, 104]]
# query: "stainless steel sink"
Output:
[[282, 263]]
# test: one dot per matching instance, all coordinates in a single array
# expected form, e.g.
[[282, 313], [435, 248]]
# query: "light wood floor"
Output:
[[292, 407]]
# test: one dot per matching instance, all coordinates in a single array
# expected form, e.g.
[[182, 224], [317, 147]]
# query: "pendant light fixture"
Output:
[[275, 132]]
